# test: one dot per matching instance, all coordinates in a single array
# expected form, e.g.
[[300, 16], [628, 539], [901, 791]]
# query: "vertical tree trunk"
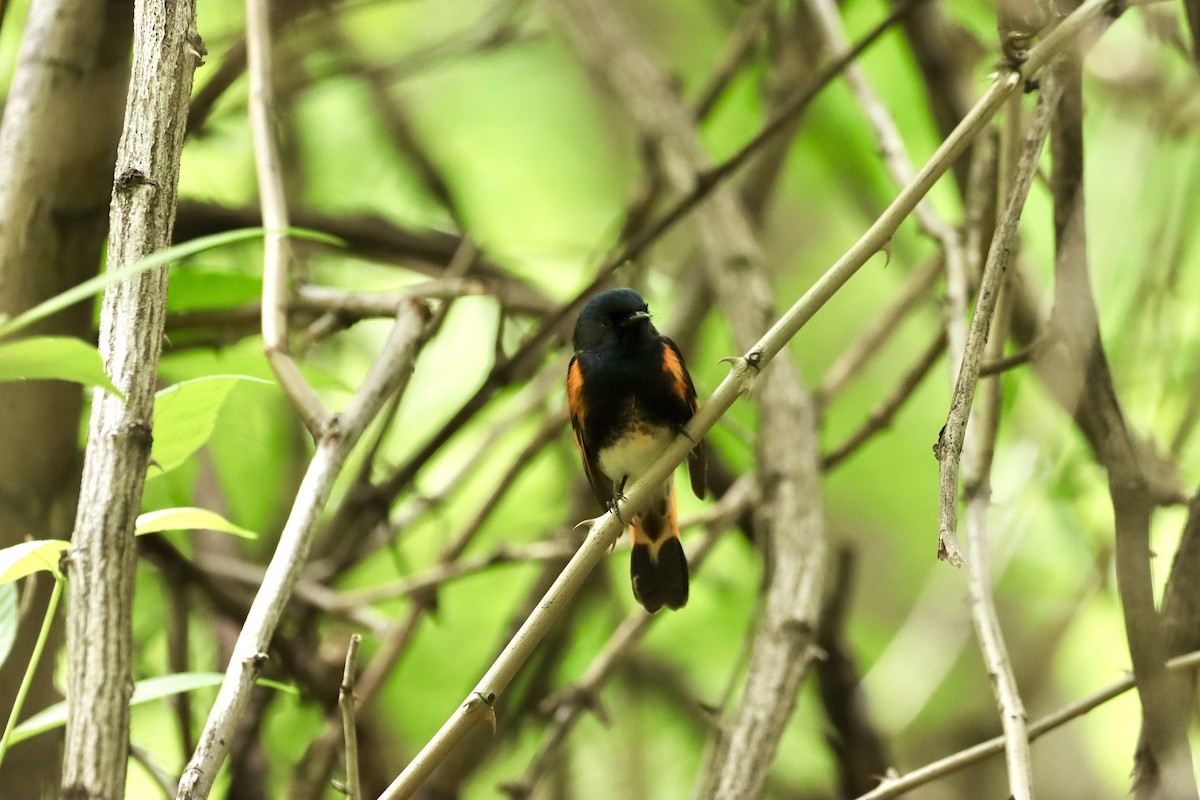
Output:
[[58, 143], [102, 567]]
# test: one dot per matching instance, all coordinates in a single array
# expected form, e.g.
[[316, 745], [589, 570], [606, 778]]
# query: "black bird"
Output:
[[629, 395]]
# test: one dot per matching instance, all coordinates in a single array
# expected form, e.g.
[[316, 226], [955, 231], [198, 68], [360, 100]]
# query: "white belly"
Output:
[[630, 457]]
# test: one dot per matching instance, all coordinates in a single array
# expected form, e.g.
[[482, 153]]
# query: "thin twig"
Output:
[[368, 236], [1017, 359], [305, 591], [341, 554], [894, 787], [950, 442], [887, 135], [446, 571], [346, 701], [981, 438], [275, 219]]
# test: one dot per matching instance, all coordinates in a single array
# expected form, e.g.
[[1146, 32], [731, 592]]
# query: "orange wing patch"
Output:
[[577, 407], [674, 367], [575, 402]]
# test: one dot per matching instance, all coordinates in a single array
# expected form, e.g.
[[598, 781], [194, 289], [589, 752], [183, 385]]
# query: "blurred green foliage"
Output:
[[541, 165]]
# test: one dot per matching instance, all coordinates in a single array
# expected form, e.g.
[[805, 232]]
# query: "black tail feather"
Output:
[[661, 580]]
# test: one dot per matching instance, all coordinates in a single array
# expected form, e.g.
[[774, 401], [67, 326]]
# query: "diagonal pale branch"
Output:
[[570, 703], [333, 450], [981, 441]]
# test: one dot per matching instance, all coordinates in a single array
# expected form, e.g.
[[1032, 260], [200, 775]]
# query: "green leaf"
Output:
[[8, 619], [185, 416], [157, 259], [188, 519], [62, 358], [27, 558], [144, 691], [196, 289]]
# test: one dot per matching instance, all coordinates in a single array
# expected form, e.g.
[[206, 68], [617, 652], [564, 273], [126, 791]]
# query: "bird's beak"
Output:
[[636, 316]]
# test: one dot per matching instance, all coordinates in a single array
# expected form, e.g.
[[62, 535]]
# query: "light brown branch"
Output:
[[895, 787], [949, 446], [346, 701], [275, 219], [981, 438], [568, 704], [167, 50]]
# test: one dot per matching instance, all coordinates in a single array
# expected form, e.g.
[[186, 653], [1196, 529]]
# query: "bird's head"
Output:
[[617, 316]]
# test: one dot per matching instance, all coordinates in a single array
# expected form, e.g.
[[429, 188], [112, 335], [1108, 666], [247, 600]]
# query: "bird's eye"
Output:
[[604, 323]]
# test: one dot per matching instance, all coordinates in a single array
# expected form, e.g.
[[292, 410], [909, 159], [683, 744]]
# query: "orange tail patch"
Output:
[[657, 565]]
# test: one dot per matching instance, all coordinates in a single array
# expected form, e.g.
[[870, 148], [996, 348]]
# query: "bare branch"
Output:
[[891, 145], [57, 157], [739, 46], [950, 442], [275, 220], [895, 787], [981, 440], [167, 50], [250, 652], [346, 701], [568, 704]]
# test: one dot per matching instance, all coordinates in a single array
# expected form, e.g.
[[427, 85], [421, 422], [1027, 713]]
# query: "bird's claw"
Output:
[[614, 506]]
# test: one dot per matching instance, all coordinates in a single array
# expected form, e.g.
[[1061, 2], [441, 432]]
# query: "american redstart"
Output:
[[629, 395]]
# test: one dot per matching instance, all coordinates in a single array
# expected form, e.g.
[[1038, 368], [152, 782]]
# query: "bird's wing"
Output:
[[682, 385], [577, 406]]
